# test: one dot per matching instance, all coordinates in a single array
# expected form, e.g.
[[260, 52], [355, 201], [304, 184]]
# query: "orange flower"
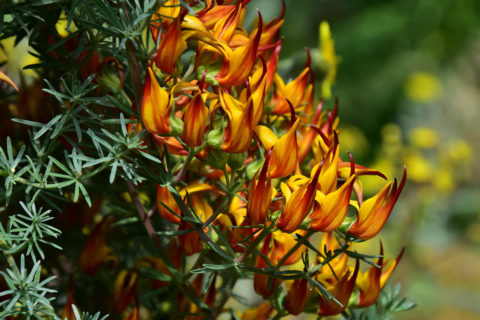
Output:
[[212, 14], [341, 290], [285, 153], [298, 205], [165, 200], [283, 243], [95, 252], [194, 120], [297, 296], [260, 196], [238, 64], [297, 91], [371, 282], [156, 106], [330, 210], [168, 11], [225, 27], [271, 30], [268, 70], [171, 47], [239, 132], [256, 99], [374, 212], [329, 168], [125, 289]]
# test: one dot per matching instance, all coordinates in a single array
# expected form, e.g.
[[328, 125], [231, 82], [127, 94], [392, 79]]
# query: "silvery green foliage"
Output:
[[86, 315], [28, 293], [29, 231]]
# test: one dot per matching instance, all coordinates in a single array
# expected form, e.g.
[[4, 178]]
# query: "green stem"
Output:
[[135, 71], [253, 245], [184, 169], [217, 212]]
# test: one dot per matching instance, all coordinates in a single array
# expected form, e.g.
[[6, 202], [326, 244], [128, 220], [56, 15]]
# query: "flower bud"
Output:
[[253, 167], [176, 126], [215, 138], [236, 160], [217, 159]]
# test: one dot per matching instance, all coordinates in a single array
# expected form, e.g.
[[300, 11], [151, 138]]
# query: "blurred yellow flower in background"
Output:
[[420, 169], [330, 60], [423, 137], [422, 87]]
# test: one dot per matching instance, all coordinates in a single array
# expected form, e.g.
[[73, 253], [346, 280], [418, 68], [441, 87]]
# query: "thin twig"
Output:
[[184, 169], [252, 246], [144, 215], [217, 211]]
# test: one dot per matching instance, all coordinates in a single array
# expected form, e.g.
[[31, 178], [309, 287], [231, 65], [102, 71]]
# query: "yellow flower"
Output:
[[420, 169]]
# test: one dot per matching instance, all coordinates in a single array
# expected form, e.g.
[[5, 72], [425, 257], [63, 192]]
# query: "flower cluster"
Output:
[[244, 177], [257, 172]]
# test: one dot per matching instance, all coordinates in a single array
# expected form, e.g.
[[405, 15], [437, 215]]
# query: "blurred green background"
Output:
[[407, 82]]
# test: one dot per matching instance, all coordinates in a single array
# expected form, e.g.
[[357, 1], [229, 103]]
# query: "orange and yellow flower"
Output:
[[374, 212], [260, 196], [156, 106], [194, 121], [238, 63], [371, 282], [298, 205]]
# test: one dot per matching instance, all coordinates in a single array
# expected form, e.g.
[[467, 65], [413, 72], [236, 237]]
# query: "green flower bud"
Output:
[[347, 223], [236, 160], [109, 80], [176, 126], [215, 138], [253, 167], [217, 158]]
